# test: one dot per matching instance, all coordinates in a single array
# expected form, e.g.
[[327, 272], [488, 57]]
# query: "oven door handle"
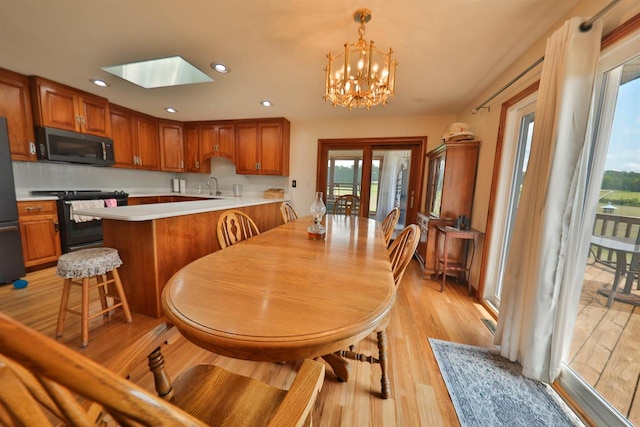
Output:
[[8, 229]]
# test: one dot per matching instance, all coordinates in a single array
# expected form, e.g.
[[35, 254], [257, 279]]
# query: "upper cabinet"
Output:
[[217, 139], [15, 105], [62, 107], [451, 180], [171, 146], [203, 140], [192, 152], [135, 139], [262, 147]]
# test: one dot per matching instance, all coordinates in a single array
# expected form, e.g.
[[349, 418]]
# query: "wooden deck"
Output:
[[605, 349]]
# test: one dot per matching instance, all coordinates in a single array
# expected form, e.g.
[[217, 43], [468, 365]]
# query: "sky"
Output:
[[624, 145]]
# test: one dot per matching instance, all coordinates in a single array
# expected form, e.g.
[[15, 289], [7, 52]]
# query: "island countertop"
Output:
[[172, 209]]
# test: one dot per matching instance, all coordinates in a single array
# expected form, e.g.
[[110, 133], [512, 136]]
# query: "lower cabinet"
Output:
[[40, 232]]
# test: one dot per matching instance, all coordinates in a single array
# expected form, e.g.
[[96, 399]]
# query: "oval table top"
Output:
[[281, 296]]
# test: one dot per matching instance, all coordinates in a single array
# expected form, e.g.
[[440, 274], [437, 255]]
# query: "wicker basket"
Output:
[[274, 193]]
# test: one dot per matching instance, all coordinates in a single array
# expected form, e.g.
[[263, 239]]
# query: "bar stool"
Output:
[[86, 264]]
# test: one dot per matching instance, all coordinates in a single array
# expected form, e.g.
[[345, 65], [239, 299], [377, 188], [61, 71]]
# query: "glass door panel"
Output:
[[606, 338], [390, 184], [344, 175]]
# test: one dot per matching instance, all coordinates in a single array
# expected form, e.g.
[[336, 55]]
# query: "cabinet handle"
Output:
[[33, 208], [197, 165], [56, 226], [83, 120], [32, 148], [181, 164], [77, 120]]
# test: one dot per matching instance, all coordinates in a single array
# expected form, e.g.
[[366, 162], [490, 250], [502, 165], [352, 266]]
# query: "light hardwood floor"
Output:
[[419, 396]]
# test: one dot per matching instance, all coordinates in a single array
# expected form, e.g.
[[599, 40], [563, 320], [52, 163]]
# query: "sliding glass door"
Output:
[[602, 369]]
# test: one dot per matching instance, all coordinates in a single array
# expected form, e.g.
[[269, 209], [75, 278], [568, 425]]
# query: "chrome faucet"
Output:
[[218, 192]]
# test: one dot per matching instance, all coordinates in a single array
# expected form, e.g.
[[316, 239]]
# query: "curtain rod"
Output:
[[584, 27]]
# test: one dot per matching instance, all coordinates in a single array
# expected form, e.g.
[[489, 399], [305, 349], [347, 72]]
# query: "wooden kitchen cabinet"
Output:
[[40, 232], [218, 139], [135, 139], [171, 146], [450, 186], [62, 107], [262, 147], [15, 105], [192, 152]]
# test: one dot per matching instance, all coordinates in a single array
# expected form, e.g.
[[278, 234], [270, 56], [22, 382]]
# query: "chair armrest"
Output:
[[301, 397], [124, 362]]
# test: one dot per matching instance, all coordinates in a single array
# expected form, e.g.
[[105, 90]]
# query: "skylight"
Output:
[[163, 72]]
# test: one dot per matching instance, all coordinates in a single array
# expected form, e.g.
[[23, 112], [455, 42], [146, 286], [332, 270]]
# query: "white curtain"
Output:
[[391, 164], [539, 297]]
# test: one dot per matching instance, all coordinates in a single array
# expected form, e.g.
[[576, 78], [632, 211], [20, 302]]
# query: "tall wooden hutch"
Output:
[[450, 187]]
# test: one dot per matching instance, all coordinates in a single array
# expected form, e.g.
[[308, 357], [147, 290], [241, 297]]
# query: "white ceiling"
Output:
[[447, 50]]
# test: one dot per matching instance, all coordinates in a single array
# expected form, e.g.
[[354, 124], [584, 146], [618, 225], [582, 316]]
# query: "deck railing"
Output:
[[627, 227]]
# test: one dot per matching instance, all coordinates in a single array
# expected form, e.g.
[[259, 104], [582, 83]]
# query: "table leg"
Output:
[[621, 266]]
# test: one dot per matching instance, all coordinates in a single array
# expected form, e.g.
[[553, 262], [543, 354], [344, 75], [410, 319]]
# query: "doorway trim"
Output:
[[417, 145]]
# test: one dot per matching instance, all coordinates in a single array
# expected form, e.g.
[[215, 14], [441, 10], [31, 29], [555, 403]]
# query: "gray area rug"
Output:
[[489, 390]]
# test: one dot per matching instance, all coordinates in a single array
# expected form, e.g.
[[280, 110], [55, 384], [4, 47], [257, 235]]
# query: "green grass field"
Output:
[[624, 210]]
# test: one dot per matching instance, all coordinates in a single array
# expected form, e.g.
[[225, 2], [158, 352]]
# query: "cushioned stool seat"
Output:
[[86, 264]]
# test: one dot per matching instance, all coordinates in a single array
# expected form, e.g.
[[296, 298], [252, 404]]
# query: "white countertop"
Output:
[[168, 210]]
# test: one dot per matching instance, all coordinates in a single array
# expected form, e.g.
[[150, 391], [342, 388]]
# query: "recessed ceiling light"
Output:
[[99, 82], [266, 103], [221, 68], [163, 72], [171, 110]]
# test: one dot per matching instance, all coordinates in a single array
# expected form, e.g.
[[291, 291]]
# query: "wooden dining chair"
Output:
[[347, 205], [389, 224], [400, 254], [235, 226], [40, 379], [287, 212]]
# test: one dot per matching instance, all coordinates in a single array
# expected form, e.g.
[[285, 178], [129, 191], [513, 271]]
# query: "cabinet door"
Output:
[[56, 107], [148, 148], [94, 115], [217, 140], [208, 140], [122, 130], [15, 105], [171, 148], [247, 148], [191, 140], [40, 240], [270, 154], [227, 141]]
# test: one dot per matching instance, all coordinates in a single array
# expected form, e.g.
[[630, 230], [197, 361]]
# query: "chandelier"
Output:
[[361, 76]]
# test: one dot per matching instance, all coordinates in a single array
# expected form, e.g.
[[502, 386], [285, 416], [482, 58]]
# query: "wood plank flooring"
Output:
[[419, 396]]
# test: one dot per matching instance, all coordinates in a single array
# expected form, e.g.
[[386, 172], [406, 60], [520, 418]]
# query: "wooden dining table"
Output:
[[280, 296]]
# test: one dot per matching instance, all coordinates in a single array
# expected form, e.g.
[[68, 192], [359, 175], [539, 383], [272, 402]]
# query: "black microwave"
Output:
[[57, 145]]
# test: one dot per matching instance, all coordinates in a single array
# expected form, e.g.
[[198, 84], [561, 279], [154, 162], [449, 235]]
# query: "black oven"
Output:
[[76, 235]]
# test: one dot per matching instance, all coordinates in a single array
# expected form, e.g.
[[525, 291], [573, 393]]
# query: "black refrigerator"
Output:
[[11, 261]]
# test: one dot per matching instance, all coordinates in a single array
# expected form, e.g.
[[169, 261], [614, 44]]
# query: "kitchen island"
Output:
[[157, 240]]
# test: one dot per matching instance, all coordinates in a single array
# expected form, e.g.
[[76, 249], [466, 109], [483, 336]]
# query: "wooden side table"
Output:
[[462, 266]]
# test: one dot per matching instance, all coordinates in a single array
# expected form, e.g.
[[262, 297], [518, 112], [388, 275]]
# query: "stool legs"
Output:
[[121, 296], [102, 283], [64, 303]]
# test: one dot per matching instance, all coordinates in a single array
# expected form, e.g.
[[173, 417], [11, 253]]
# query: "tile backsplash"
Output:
[[31, 176]]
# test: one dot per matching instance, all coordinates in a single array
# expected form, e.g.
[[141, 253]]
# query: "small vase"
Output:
[[316, 230]]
